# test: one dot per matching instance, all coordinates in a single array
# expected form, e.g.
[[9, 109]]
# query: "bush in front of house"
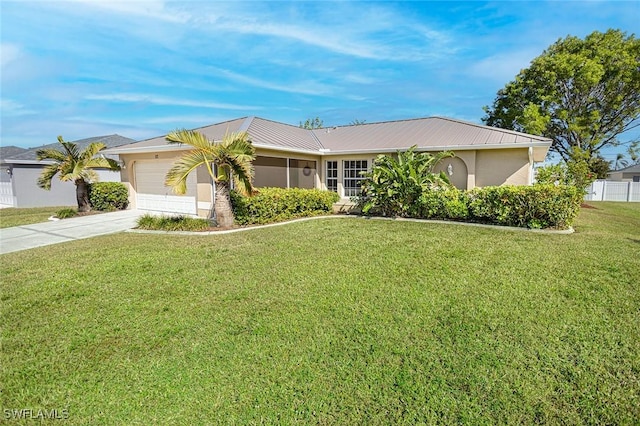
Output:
[[278, 204], [108, 196], [537, 206], [443, 203], [172, 223]]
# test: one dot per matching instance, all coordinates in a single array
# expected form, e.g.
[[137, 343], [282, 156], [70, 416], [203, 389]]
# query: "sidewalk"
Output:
[[53, 232]]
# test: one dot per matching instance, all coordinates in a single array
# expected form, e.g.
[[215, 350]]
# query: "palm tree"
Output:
[[232, 157], [74, 165]]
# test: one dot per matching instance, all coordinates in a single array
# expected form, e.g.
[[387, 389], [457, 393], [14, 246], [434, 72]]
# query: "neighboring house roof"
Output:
[[634, 168], [29, 156], [433, 133], [8, 151]]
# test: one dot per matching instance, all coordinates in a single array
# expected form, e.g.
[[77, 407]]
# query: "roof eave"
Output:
[[546, 145]]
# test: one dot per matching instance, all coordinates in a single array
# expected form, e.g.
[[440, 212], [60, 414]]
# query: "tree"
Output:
[[600, 167], [312, 123], [395, 184], [580, 93], [74, 165], [232, 158]]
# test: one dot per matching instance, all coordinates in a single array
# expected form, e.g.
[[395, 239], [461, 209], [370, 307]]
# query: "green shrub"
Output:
[[538, 206], [395, 183], [108, 196], [66, 213], [443, 203], [172, 223], [278, 204]]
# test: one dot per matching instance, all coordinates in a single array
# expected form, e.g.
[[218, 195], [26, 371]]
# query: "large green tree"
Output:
[[228, 159], [71, 164], [580, 93]]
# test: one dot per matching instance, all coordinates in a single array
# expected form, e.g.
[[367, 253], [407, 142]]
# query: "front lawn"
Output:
[[26, 216], [333, 321]]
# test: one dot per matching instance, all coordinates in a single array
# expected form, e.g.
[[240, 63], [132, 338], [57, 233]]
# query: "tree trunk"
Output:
[[222, 205], [82, 196]]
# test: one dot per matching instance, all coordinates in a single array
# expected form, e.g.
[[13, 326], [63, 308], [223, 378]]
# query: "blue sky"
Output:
[[142, 68]]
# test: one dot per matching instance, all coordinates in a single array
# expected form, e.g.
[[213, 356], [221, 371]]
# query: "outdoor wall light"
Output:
[[123, 165], [450, 169]]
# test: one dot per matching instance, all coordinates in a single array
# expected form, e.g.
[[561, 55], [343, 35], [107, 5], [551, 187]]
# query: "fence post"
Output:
[[629, 191], [604, 188]]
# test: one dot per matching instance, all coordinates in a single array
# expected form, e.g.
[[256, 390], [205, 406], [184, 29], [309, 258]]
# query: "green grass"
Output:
[[172, 223], [331, 321], [25, 216]]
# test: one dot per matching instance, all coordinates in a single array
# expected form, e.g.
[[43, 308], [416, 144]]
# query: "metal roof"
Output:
[[634, 168], [425, 133], [432, 133], [8, 151], [29, 156]]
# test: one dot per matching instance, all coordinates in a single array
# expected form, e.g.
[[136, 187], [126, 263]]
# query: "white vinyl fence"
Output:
[[6, 194], [606, 190]]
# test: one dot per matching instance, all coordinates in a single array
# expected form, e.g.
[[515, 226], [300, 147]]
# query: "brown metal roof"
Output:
[[433, 133]]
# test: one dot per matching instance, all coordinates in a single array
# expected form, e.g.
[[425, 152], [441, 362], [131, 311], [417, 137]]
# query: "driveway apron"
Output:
[[53, 232]]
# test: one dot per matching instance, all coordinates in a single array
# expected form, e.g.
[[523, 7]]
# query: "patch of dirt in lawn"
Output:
[[587, 206]]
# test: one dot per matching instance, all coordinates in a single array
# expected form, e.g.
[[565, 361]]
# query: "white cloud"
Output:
[[161, 100], [149, 9], [503, 67], [304, 88], [8, 53], [11, 108]]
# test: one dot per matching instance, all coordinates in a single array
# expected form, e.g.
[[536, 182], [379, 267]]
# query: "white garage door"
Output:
[[154, 196]]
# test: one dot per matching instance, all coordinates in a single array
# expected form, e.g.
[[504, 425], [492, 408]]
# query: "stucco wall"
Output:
[[28, 194], [502, 167]]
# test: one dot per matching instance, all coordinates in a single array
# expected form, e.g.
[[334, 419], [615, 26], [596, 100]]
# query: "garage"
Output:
[[152, 195]]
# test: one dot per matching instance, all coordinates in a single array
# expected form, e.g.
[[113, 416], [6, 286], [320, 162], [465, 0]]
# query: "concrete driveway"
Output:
[[77, 228]]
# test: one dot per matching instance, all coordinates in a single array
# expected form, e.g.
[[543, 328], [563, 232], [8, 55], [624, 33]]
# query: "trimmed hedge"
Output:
[[278, 204], [537, 206], [108, 196], [443, 203]]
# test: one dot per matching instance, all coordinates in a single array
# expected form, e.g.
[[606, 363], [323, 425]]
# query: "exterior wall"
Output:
[[28, 194], [625, 177], [502, 167], [458, 173]]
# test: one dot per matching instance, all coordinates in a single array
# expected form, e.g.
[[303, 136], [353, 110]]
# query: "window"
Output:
[[353, 176], [332, 176], [636, 178]]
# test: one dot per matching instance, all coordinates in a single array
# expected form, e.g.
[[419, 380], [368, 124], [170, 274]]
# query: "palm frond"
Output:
[[48, 172], [50, 154], [189, 137], [177, 175], [91, 151], [102, 163]]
